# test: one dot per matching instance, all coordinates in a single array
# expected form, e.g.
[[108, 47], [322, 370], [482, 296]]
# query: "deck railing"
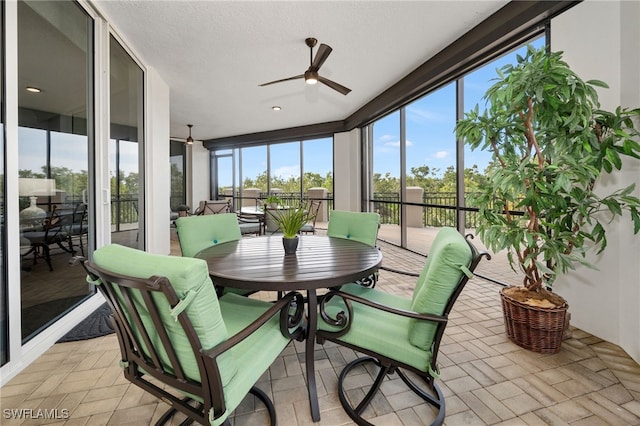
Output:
[[438, 209], [124, 210]]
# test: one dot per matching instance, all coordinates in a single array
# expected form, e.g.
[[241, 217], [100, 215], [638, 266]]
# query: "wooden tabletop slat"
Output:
[[260, 263]]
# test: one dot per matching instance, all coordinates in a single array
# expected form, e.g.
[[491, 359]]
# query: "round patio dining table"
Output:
[[320, 262]]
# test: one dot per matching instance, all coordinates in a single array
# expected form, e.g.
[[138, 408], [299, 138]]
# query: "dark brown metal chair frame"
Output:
[[251, 219], [215, 207], [79, 227], [314, 209], [389, 366], [136, 364]]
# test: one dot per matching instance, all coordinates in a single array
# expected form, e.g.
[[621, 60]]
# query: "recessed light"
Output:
[[33, 89], [276, 108]]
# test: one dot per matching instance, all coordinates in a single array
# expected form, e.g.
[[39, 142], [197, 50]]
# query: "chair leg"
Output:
[[47, 256], [437, 400], [356, 413], [168, 415], [258, 393]]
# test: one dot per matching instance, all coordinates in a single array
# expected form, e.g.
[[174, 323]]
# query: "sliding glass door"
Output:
[[55, 69], [126, 148]]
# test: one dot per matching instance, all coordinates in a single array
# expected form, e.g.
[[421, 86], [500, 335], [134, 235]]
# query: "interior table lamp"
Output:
[[34, 188]]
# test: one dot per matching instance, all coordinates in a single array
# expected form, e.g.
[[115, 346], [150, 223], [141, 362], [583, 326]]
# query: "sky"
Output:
[[430, 125]]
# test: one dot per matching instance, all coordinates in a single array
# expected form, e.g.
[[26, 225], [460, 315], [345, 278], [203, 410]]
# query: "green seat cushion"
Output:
[[190, 279], [357, 226], [448, 260], [196, 233], [256, 353], [384, 333]]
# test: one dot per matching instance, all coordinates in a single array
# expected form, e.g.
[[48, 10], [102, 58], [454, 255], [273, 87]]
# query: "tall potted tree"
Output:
[[551, 143]]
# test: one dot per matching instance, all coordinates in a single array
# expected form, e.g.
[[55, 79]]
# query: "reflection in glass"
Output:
[[178, 188], [125, 148], [53, 159]]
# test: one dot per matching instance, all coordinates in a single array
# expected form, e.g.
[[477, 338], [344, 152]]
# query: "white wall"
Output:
[[346, 168], [601, 40]]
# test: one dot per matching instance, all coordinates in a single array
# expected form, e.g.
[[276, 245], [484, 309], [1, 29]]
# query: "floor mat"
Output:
[[95, 325]]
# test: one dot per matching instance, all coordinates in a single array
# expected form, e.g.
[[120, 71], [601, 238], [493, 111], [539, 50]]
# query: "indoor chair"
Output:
[[54, 231], [196, 233], [199, 354], [357, 226], [397, 333], [79, 227]]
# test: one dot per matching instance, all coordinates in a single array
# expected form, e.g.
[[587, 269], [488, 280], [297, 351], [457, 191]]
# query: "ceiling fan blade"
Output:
[[321, 55], [284, 79], [335, 86]]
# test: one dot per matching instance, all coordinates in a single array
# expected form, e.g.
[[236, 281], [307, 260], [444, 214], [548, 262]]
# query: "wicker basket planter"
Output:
[[535, 328]]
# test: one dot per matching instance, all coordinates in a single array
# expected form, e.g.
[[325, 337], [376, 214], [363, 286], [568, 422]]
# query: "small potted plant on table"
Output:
[[550, 143], [289, 221]]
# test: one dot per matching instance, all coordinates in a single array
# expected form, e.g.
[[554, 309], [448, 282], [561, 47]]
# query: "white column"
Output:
[[320, 193], [346, 165], [158, 172]]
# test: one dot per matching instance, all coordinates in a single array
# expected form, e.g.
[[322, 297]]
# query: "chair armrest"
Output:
[[398, 271], [288, 320], [342, 319]]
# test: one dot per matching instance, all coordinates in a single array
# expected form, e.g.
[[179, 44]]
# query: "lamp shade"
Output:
[[28, 187]]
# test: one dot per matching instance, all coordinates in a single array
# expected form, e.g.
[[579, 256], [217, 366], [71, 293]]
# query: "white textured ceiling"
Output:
[[214, 54]]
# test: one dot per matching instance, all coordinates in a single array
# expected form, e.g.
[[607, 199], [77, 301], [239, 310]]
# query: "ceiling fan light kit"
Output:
[[189, 139], [311, 75]]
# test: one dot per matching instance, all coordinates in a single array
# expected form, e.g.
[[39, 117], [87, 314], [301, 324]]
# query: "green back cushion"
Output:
[[358, 226], [190, 279], [196, 233], [449, 258]]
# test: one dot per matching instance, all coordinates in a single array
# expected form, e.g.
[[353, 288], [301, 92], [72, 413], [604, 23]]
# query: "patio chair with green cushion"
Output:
[[357, 226], [196, 233], [198, 354], [397, 333]]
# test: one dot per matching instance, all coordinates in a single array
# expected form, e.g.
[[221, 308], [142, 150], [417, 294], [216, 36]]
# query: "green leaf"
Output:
[[614, 158], [597, 83]]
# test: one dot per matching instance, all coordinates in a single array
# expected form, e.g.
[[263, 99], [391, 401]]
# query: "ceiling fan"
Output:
[[311, 75]]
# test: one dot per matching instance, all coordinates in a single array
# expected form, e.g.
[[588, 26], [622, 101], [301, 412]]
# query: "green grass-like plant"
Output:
[[291, 218]]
